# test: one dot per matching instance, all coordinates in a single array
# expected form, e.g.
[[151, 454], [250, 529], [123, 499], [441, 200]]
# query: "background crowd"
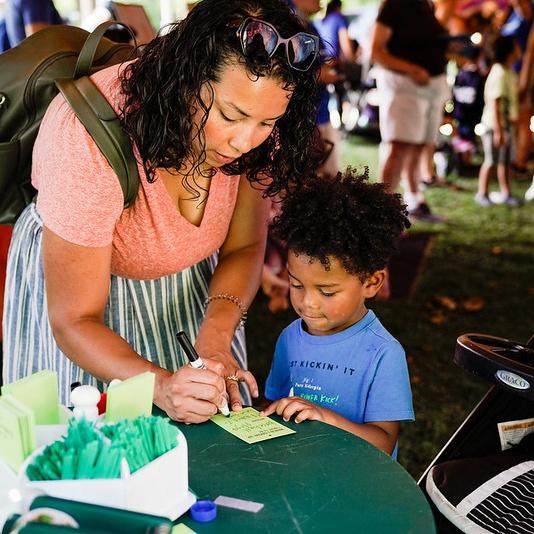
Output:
[[453, 91]]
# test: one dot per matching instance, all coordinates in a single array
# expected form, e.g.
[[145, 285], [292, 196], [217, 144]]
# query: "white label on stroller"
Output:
[[512, 432], [511, 379]]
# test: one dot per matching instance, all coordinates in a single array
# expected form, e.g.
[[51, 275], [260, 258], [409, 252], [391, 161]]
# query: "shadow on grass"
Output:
[[407, 265]]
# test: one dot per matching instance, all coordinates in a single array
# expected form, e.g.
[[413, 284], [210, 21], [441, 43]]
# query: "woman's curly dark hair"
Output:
[[162, 93], [347, 218]]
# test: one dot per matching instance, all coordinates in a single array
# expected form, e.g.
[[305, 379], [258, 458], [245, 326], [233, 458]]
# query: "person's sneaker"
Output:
[[529, 193], [483, 200], [497, 197], [423, 213]]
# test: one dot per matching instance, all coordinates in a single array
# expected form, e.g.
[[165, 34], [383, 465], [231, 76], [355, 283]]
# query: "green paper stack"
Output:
[[17, 431], [39, 392], [130, 398]]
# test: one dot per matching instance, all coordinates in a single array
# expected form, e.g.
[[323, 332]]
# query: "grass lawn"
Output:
[[486, 255]]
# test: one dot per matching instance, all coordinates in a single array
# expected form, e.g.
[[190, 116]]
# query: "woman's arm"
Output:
[[238, 273], [77, 286], [381, 434], [380, 54]]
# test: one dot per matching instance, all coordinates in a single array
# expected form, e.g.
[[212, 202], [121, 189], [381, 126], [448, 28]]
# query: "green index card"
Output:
[[39, 392], [250, 426], [181, 528], [130, 398], [26, 419], [17, 431]]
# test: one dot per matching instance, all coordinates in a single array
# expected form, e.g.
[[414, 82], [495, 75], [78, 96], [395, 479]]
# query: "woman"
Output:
[[220, 113]]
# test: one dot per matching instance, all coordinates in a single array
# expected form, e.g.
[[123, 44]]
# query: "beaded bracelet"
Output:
[[233, 299]]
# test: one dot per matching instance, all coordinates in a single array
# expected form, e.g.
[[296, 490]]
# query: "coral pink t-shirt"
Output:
[[80, 199]]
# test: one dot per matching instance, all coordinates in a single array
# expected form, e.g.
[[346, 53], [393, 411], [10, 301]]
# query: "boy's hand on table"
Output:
[[302, 409], [381, 434]]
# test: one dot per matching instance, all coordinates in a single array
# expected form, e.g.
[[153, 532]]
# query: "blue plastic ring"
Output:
[[204, 511]]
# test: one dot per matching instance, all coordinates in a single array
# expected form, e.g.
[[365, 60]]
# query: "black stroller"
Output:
[[473, 485]]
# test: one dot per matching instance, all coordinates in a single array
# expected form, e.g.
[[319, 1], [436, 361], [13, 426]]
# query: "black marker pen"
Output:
[[196, 361]]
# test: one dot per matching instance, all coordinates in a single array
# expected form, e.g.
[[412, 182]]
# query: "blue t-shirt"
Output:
[[328, 29], [360, 373], [20, 13]]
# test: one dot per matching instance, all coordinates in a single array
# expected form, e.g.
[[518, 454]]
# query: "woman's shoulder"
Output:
[[72, 176], [108, 83], [60, 117]]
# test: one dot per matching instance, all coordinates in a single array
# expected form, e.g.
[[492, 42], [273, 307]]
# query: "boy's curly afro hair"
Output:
[[348, 218]]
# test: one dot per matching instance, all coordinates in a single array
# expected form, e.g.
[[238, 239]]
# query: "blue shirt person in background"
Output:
[[306, 9], [25, 17], [337, 363], [333, 29]]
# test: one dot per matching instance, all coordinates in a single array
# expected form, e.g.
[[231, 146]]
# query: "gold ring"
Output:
[[235, 378]]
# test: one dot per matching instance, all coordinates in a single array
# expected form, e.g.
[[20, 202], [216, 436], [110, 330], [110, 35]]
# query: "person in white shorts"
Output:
[[409, 45]]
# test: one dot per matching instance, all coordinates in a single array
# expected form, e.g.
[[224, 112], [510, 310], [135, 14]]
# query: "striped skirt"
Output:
[[146, 313]]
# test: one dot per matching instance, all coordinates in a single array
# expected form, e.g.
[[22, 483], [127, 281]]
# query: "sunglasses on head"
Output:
[[301, 49]]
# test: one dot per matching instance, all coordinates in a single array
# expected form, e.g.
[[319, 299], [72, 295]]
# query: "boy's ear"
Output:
[[373, 283]]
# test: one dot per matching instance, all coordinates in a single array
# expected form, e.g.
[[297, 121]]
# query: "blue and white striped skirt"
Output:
[[146, 313]]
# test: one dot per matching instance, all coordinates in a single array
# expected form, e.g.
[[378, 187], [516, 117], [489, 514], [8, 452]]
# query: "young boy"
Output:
[[498, 117], [339, 362]]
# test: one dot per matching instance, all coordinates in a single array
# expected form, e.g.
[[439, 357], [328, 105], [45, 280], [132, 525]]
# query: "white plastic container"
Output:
[[159, 488]]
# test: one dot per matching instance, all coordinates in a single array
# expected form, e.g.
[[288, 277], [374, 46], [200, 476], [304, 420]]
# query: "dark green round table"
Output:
[[320, 479]]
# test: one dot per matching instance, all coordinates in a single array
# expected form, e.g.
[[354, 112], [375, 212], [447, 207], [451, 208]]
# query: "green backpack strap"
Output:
[[102, 123], [87, 53], [99, 118]]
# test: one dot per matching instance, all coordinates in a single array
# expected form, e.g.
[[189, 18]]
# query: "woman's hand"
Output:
[[218, 357], [221, 360], [191, 395], [237, 274], [302, 409]]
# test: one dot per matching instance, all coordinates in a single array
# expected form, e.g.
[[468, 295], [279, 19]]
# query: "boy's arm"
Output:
[[381, 434]]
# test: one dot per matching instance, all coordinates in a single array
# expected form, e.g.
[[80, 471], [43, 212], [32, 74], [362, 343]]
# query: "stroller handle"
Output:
[[500, 361]]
